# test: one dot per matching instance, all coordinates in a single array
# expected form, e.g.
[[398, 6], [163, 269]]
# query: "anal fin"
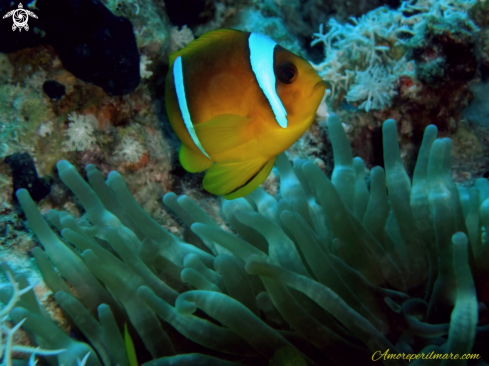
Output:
[[192, 161], [235, 179]]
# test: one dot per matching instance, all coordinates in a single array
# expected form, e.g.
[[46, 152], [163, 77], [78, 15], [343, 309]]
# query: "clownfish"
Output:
[[236, 100]]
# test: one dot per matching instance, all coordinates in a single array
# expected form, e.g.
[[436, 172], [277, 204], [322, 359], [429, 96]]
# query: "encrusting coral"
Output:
[[342, 273]]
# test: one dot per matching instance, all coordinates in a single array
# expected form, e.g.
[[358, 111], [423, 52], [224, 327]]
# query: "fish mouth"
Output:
[[319, 85]]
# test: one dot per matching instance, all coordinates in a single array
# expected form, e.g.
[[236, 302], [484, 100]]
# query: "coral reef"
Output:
[[413, 64], [327, 269]]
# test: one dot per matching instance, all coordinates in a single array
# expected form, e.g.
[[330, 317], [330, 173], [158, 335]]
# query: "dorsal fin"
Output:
[[203, 40]]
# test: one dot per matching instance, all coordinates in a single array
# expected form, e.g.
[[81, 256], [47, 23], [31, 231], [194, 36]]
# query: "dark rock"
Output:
[[24, 175], [92, 43], [188, 12]]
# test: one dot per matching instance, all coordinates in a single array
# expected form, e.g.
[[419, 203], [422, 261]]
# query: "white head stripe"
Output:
[[182, 102], [261, 59]]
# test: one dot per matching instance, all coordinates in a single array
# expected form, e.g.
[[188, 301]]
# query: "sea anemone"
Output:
[[327, 272]]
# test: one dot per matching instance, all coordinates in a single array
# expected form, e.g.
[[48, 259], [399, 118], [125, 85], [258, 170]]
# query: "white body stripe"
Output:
[[261, 59], [182, 102]]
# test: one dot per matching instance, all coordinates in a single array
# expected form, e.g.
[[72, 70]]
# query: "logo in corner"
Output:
[[20, 17]]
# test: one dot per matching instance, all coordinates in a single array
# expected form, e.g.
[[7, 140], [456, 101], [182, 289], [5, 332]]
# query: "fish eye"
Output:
[[287, 73]]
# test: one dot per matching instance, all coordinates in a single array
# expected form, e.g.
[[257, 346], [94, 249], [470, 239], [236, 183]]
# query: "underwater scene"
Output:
[[244, 182]]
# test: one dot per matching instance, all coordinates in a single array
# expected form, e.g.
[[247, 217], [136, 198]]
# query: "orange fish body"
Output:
[[236, 100]]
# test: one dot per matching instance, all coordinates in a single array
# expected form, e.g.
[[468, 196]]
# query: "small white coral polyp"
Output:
[[143, 67], [180, 38], [374, 86], [80, 132], [129, 150]]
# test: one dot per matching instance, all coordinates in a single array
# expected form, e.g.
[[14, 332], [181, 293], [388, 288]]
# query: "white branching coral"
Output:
[[359, 55], [129, 150], [374, 86], [450, 10], [80, 132], [7, 346]]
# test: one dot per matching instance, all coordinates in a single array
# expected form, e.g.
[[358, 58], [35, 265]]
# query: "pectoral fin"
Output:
[[192, 161], [235, 179], [223, 132]]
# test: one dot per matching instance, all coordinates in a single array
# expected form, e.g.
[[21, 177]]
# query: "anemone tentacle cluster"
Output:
[[327, 272]]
